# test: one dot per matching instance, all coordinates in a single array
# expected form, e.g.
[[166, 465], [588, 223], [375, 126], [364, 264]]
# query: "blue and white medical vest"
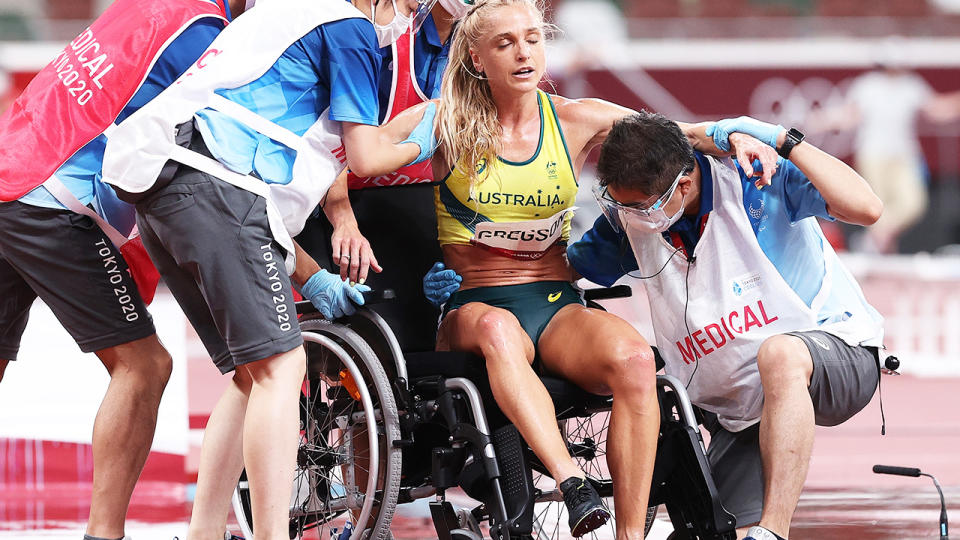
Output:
[[736, 300]]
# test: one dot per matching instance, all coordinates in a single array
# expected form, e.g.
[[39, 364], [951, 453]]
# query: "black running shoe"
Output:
[[584, 506]]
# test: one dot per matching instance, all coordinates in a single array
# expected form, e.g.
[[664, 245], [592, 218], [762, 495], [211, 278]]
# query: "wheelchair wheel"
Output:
[[587, 440], [346, 472]]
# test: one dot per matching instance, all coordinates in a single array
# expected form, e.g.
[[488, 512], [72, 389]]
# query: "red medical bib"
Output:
[[79, 94], [405, 94]]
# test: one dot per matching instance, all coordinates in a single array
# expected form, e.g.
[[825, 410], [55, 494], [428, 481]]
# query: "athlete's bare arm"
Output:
[[587, 122]]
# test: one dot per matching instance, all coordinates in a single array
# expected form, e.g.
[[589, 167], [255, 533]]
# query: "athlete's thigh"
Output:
[[475, 326], [580, 342]]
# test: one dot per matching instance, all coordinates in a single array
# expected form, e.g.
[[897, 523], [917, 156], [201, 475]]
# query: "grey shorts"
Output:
[[212, 244], [66, 260], [843, 383]]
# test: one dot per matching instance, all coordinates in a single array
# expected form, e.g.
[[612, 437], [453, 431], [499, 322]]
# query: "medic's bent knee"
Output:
[[783, 357]]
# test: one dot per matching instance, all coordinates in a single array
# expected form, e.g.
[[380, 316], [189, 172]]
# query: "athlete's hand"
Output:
[[756, 158], [352, 253], [439, 284], [423, 134], [332, 296], [766, 133]]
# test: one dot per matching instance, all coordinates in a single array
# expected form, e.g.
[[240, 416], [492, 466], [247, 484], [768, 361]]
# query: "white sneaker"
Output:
[[759, 533]]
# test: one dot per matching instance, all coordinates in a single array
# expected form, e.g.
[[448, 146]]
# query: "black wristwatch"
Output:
[[793, 138]]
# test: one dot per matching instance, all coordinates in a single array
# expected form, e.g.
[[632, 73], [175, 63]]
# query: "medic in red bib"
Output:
[[412, 70], [66, 235]]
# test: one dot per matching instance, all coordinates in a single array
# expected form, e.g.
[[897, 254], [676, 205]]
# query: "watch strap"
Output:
[[793, 138]]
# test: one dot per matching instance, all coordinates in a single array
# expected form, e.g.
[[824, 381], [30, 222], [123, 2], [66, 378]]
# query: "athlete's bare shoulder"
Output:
[[587, 121]]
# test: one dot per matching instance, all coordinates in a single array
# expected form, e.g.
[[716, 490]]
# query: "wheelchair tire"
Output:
[[345, 390]]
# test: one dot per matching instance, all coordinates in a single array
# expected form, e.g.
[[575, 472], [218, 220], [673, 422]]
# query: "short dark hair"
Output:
[[645, 152]]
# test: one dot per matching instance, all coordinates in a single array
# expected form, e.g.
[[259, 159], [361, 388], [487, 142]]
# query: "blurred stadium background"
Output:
[[783, 61]]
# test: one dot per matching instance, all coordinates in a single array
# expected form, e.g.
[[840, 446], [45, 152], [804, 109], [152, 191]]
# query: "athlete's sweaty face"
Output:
[[511, 50]]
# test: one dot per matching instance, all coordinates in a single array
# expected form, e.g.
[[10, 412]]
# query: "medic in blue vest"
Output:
[[58, 246], [224, 167]]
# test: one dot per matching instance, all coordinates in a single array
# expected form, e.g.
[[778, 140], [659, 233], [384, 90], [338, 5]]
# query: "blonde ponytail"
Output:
[[469, 127]]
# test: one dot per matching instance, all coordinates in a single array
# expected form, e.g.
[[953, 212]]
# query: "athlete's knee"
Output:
[[783, 360], [631, 367], [496, 326]]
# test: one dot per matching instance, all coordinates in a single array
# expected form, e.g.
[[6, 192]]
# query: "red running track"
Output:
[[843, 499]]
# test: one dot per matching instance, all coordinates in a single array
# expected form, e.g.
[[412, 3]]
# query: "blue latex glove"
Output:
[[762, 131], [439, 284], [423, 135], [332, 296]]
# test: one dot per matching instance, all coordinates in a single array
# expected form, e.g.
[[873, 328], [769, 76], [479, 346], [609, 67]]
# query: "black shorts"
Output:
[[66, 260], [843, 383], [533, 304], [212, 244]]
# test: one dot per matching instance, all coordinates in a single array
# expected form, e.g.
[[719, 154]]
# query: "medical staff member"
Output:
[[53, 245], [224, 167], [751, 307], [411, 72]]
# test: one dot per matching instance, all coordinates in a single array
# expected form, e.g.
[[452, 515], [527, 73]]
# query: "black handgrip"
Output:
[[377, 296], [606, 293], [899, 471]]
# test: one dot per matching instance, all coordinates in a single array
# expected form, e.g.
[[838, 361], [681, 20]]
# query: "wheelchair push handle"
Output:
[[377, 296]]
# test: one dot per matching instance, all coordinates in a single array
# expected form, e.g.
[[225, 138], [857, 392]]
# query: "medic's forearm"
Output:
[[306, 266], [337, 205], [848, 196]]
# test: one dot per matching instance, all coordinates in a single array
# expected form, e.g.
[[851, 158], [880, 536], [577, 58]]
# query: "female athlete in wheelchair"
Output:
[[509, 157]]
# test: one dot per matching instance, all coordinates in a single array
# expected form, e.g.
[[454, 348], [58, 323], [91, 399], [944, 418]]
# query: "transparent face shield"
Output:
[[424, 7], [645, 216]]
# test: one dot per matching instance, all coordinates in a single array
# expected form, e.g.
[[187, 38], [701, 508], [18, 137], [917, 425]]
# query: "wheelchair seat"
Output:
[[568, 399]]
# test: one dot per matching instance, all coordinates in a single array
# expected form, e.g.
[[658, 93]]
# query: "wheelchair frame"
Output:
[[472, 447]]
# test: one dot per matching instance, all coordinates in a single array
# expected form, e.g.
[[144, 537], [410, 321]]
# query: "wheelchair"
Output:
[[386, 421], [381, 428]]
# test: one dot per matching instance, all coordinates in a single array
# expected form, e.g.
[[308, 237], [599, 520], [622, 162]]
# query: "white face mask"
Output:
[[650, 219], [457, 9], [656, 221], [388, 34]]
